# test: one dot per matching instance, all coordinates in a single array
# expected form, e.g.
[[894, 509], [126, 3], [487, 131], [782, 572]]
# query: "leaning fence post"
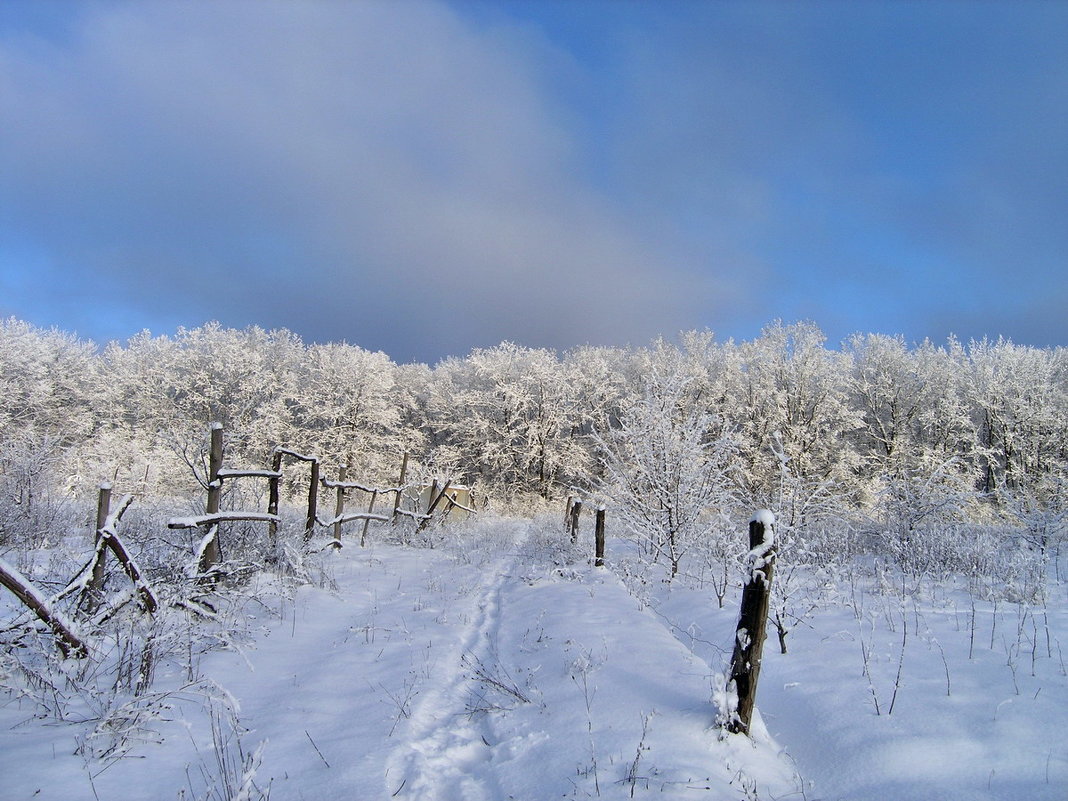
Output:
[[400, 485], [752, 620], [69, 642], [598, 540], [435, 499], [367, 520]]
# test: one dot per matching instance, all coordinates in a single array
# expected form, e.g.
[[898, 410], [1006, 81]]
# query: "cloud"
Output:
[[425, 178], [386, 173]]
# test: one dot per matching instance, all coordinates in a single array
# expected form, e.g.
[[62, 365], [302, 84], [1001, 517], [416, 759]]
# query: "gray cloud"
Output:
[[384, 173]]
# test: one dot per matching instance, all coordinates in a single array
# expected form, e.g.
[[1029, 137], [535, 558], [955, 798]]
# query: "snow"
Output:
[[303, 457], [249, 473], [765, 517], [219, 517], [349, 517], [492, 668], [42, 603]]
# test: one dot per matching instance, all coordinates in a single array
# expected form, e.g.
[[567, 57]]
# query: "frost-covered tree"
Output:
[[668, 475], [165, 392], [47, 378], [889, 392], [790, 389], [510, 410], [1017, 407], [346, 409]]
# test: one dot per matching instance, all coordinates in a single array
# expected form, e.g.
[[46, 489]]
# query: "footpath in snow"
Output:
[[501, 667], [561, 685], [480, 671]]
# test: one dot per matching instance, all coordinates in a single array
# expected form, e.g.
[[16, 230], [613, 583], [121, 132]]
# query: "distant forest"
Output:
[[886, 438]]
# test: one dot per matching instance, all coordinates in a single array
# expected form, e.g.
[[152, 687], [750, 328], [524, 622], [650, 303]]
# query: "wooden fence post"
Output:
[[400, 485], [367, 522], [211, 555], [339, 505], [96, 581], [752, 621], [313, 502], [598, 539], [576, 511], [274, 486], [435, 499]]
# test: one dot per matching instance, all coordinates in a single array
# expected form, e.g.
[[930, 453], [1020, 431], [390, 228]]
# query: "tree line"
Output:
[[899, 438]]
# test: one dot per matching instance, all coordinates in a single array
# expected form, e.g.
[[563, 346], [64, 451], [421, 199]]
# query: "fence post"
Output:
[[272, 500], [211, 555], [435, 499], [752, 620], [400, 485], [367, 522], [576, 510], [313, 502], [339, 505], [598, 539], [103, 509]]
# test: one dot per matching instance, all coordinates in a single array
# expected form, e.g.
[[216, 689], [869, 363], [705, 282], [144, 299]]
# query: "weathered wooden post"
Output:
[[103, 509], [313, 501], [339, 505], [435, 499], [400, 485], [752, 621], [598, 539], [576, 510], [210, 555], [274, 486], [367, 521], [215, 457], [108, 538]]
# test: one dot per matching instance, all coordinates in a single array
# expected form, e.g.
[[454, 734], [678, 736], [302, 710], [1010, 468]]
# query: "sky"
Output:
[[425, 178]]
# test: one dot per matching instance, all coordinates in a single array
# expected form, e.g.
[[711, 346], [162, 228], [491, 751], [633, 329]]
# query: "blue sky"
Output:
[[424, 178]]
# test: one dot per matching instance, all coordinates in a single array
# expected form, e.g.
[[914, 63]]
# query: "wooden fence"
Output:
[[88, 584]]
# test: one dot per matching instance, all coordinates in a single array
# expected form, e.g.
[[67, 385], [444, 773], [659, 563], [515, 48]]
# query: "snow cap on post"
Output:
[[761, 539], [766, 517]]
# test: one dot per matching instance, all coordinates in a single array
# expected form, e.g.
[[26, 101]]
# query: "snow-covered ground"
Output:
[[501, 667]]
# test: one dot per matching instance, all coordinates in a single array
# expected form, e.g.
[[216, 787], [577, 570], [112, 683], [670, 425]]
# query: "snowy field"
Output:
[[504, 666]]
